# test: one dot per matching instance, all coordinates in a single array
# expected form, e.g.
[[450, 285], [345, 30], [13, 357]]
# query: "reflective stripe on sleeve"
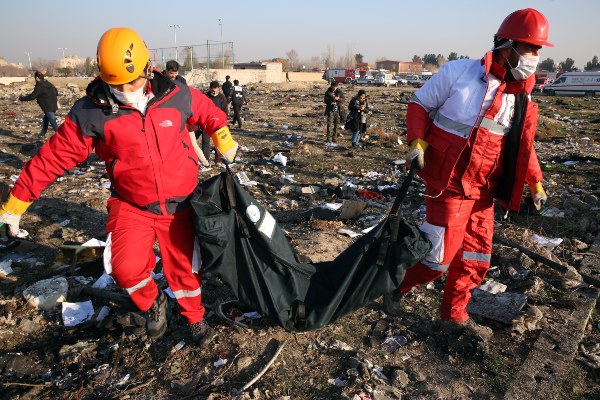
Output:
[[451, 126], [187, 293], [471, 255], [139, 285]]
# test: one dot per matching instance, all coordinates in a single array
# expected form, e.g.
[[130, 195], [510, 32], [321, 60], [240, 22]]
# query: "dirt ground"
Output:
[[364, 355]]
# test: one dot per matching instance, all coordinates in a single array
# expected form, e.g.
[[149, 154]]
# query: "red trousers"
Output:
[[130, 258], [461, 232]]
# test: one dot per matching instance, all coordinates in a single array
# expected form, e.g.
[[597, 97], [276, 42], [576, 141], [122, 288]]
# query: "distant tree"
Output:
[[358, 57], [567, 65], [13, 70], [441, 60], [593, 65], [548, 65], [89, 67], [292, 56], [49, 66], [429, 59], [453, 56], [66, 71], [417, 59], [464, 57]]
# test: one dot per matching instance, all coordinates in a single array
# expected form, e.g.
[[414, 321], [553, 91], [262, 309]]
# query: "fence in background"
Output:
[[212, 55]]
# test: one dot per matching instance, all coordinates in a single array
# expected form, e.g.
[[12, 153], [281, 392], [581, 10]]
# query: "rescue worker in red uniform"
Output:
[[136, 120], [471, 129]]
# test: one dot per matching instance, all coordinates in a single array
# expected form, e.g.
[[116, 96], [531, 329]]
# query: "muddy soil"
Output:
[[354, 357]]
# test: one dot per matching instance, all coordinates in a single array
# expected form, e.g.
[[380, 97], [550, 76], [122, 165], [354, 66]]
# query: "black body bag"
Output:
[[241, 242]]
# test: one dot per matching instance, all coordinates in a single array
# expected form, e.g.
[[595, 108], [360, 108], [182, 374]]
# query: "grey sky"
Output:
[[267, 29]]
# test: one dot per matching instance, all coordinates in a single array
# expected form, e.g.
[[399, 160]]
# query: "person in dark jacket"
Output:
[[357, 120], [238, 99], [333, 111], [172, 71], [227, 88], [46, 96], [214, 93], [136, 120]]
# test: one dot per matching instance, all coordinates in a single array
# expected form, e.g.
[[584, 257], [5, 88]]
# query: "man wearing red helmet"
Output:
[[136, 119], [471, 129]]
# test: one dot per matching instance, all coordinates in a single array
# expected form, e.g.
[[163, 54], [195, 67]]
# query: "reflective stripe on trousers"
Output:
[[133, 233], [468, 227]]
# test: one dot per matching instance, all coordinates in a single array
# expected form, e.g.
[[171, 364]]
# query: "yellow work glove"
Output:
[[10, 214], [538, 195], [416, 154], [224, 144]]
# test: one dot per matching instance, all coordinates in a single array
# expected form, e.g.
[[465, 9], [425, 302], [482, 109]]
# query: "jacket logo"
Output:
[[166, 123]]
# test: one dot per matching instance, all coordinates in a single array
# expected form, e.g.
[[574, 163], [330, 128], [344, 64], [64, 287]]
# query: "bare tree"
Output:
[[292, 56]]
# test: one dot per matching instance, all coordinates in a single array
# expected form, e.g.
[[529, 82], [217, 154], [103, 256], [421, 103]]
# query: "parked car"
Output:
[[364, 80], [540, 83], [401, 80], [386, 80]]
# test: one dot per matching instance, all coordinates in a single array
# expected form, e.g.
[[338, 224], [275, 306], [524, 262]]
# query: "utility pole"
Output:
[[63, 55], [222, 52], [175, 27], [29, 58]]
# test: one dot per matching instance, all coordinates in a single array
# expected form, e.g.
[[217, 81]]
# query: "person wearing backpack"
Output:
[[238, 99], [333, 111]]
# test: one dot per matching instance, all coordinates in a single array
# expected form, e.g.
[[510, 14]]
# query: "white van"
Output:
[[583, 83]]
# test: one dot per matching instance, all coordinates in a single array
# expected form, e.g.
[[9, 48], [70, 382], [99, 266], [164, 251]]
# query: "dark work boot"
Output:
[[392, 303], [156, 317], [202, 333]]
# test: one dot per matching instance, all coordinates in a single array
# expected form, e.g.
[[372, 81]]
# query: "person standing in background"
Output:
[[46, 96]]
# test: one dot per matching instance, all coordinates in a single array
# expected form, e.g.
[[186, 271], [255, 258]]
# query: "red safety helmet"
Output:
[[526, 26]]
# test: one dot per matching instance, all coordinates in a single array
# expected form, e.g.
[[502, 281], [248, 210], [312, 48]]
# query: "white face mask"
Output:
[[137, 98], [526, 66]]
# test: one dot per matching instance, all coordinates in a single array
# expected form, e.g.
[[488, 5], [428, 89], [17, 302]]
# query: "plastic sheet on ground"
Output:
[[77, 313], [281, 159], [548, 243]]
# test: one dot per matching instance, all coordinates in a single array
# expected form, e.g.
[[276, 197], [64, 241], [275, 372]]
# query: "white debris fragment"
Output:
[[77, 313], [281, 159], [548, 243], [5, 268], [339, 382], [349, 232], [220, 362], [493, 287]]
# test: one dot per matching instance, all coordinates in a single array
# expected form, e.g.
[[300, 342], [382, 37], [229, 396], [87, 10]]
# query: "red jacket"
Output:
[[465, 100], [149, 157]]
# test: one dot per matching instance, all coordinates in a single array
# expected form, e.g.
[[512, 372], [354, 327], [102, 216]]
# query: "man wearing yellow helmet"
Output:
[[136, 120]]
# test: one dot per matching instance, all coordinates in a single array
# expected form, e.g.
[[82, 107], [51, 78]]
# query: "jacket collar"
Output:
[[98, 91], [512, 87]]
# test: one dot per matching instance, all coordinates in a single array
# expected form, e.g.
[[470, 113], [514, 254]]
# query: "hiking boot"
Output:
[[481, 331], [156, 317], [202, 333], [392, 303], [468, 327]]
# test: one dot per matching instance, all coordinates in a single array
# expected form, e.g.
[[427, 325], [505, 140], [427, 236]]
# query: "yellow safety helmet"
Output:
[[122, 56]]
